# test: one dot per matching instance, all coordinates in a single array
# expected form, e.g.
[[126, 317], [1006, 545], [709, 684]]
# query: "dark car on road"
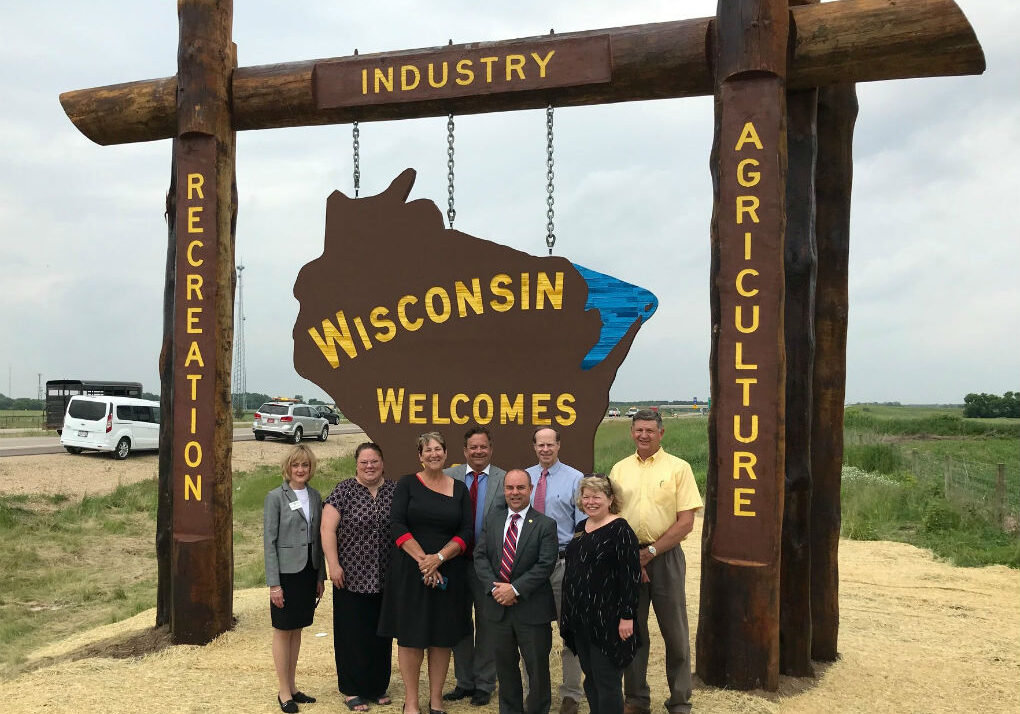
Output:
[[329, 414]]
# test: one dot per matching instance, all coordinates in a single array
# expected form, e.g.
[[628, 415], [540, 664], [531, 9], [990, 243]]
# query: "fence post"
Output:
[[945, 489], [1000, 495], [913, 463]]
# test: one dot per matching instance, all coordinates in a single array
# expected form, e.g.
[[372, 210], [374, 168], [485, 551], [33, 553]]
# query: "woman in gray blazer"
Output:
[[295, 568]]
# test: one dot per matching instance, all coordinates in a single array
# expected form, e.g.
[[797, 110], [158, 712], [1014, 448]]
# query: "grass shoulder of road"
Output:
[[73, 564]]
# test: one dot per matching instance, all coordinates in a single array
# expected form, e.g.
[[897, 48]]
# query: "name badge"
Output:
[[295, 505]]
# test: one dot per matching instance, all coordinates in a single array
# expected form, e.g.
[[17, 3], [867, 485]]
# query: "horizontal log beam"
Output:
[[835, 42]]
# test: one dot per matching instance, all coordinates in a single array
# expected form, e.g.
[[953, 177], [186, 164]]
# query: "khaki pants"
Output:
[[665, 592]]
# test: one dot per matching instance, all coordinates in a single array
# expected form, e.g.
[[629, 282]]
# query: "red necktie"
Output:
[[540, 491], [474, 496], [509, 549]]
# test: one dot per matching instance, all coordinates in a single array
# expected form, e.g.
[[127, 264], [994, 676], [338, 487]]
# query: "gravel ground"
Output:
[[76, 475], [916, 634]]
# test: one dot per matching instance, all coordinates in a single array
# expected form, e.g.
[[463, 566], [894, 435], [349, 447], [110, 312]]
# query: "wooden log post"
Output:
[[202, 549], [738, 627], [837, 42], [164, 498], [837, 112], [801, 261]]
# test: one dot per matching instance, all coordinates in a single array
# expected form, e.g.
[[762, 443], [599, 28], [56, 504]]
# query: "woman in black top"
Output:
[[426, 601], [356, 544], [600, 595]]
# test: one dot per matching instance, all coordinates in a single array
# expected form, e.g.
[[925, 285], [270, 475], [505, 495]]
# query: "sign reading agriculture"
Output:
[[413, 327], [749, 453]]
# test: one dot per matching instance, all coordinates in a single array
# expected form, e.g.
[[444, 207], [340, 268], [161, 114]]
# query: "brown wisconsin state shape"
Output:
[[381, 248]]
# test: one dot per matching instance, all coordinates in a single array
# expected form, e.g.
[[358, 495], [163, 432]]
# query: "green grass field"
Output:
[[57, 552]]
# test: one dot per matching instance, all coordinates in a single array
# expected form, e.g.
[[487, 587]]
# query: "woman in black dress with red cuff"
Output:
[[426, 601], [600, 595]]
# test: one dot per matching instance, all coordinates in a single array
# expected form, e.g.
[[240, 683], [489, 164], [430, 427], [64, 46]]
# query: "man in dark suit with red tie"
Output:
[[514, 557], [474, 663]]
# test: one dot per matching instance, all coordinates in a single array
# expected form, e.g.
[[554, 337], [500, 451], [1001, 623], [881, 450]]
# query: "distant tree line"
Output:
[[991, 405], [20, 404]]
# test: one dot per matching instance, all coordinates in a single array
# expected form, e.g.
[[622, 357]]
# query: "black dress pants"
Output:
[[603, 680], [363, 658]]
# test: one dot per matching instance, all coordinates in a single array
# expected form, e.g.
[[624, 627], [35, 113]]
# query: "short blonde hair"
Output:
[[600, 484], [298, 453]]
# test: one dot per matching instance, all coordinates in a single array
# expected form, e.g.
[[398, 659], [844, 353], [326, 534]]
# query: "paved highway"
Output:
[[33, 445]]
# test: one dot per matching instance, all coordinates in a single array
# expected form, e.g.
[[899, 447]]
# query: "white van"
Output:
[[116, 424]]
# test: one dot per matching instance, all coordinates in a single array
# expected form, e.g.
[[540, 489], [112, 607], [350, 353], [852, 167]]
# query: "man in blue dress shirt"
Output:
[[554, 493]]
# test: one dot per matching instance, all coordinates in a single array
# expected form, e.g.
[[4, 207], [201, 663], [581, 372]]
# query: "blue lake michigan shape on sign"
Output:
[[619, 304]]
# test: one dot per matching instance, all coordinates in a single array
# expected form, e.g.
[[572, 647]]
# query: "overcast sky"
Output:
[[934, 297]]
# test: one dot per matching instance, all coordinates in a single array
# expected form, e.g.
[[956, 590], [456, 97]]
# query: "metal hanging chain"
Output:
[[550, 236], [356, 133], [357, 158], [451, 212]]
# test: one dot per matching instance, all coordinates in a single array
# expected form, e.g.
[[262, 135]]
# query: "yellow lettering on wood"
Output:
[[192, 487], [739, 501]]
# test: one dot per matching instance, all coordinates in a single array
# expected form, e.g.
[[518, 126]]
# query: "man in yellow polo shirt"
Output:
[[658, 497]]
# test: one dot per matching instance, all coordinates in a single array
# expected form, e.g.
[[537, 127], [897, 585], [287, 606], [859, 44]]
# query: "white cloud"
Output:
[[934, 298]]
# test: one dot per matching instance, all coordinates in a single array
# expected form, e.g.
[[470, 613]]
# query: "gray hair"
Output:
[[648, 415]]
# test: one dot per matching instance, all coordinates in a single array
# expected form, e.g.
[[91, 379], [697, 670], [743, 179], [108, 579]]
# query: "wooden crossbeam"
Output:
[[832, 43]]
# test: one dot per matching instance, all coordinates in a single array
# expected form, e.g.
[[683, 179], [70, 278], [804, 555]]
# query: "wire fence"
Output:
[[991, 489], [21, 421]]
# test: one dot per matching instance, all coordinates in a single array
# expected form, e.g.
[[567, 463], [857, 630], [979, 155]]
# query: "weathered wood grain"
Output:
[[833, 42]]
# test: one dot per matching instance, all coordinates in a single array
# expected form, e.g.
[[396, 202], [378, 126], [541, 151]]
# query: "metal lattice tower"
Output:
[[240, 377]]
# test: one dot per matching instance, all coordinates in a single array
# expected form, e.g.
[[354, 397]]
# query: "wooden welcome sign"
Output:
[[413, 327]]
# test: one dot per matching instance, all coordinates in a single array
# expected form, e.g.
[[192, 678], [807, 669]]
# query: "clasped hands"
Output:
[[504, 594], [429, 567]]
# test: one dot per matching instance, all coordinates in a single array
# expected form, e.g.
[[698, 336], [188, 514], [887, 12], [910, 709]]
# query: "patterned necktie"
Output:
[[540, 491], [474, 496], [509, 549]]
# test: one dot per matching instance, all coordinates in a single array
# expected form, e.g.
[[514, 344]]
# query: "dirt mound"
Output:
[[916, 635]]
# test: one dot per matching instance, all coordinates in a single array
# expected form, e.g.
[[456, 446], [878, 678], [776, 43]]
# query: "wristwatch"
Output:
[[441, 558], [651, 550]]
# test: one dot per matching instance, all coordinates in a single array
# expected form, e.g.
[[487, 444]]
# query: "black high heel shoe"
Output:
[[288, 706]]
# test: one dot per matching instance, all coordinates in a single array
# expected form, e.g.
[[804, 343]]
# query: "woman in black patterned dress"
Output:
[[356, 543], [600, 595]]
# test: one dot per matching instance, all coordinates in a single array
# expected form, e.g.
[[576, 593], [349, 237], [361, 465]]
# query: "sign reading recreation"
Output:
[[751, 386], [194, 336], [462, 71], [414, 327]]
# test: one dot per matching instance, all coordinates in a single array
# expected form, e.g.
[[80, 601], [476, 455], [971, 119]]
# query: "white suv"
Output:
[[632, 411], [289, 420]]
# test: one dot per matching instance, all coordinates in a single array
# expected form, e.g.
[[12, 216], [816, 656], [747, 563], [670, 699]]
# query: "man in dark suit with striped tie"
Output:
[[515, 557]]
